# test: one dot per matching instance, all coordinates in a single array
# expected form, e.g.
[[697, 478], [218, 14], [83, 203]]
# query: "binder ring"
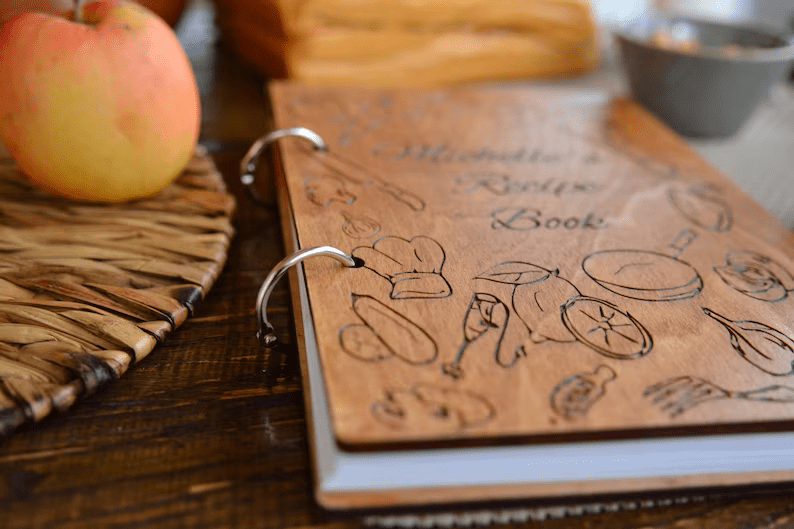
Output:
[[250, 161], [266, 330]]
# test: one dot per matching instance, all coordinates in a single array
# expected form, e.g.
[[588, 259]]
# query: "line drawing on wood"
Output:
[[541, 307], [702, 207], [681, 242], [502, 184], [575, 395], [613, 142], [485, 323], [534, 299], [679, 394], [520, 218], [429, 407], [385, 333], [756, 275], [359, 226], [353, 119], [356, 174], [323, 191], [414, 268], [763, 346], [646, 275], [604, 328]]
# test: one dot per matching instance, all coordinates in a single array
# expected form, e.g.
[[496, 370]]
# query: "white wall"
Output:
[[619, 11], [768, 12]]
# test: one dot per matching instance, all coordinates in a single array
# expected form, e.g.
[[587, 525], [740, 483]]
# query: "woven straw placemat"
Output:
[[88, 289]]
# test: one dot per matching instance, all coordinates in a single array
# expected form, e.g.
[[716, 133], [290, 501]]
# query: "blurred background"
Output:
[[775, 13], [563, 44]]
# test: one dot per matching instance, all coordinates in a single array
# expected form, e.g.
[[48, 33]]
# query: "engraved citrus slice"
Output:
[[601, 326]]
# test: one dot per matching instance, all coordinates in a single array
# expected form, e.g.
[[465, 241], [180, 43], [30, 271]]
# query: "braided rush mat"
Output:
[[87, 289]]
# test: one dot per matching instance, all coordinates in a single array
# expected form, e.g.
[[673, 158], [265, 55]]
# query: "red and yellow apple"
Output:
[[105, 109], [168, 10], [9, 10]]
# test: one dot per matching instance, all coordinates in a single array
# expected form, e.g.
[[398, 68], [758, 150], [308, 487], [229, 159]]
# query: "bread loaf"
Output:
[[411, 42]]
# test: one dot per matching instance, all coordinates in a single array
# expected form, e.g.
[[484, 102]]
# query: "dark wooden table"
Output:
[[208, 431]]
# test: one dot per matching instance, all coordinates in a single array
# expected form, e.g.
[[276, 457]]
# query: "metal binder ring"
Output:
[[265, 328], [249, 162]]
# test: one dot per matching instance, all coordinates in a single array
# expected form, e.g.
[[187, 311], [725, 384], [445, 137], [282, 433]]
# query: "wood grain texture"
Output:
[[209, 431], [534, 264], [88, 289]]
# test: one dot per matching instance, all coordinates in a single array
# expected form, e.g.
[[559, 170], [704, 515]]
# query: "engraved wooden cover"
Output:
[[87, 289], [535, 264]]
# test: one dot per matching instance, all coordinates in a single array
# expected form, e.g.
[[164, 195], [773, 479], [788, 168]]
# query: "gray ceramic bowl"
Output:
[[708, 91]]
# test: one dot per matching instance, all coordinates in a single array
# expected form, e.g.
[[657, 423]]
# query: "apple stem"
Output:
[[78, 11]]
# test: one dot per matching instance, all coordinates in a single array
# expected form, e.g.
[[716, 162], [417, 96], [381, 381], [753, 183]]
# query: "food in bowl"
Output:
[[684, 38], [704, 79]]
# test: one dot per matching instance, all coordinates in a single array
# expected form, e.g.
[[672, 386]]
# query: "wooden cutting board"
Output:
[[88, 289]]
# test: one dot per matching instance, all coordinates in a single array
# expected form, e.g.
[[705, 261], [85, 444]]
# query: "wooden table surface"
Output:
[[208, 431]]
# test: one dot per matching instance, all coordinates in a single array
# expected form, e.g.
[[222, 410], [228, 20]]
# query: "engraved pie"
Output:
[[643, 275]]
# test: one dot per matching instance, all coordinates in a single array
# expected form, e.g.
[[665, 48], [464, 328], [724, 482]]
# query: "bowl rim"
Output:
[[628, 33]]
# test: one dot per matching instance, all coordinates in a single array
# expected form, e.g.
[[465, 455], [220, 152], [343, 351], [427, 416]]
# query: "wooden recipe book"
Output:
[[558, 298]]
